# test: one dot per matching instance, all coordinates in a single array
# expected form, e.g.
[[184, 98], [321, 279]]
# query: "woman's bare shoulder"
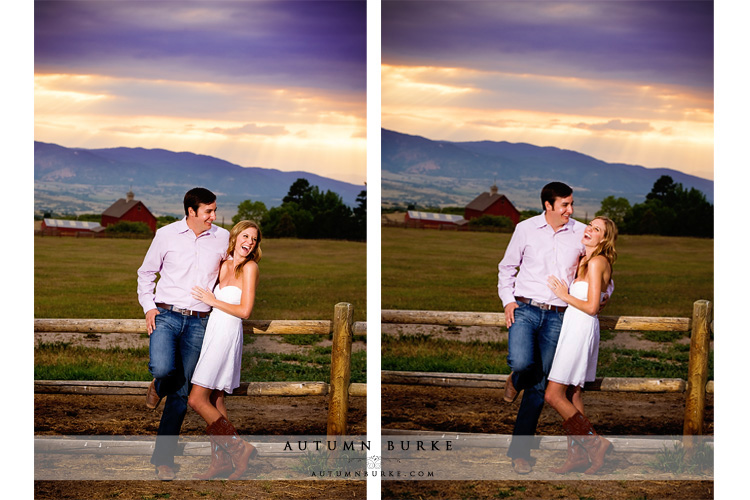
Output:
[[250, 269]]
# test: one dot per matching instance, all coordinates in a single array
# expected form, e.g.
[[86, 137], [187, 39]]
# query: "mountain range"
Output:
[[441, 173], [77, 180]]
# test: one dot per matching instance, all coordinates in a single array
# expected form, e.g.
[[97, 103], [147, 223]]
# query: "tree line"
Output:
[[669, 210], [307, 212]]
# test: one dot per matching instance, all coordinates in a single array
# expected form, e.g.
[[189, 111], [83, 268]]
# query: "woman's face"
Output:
[[594, 233], [247, 240]]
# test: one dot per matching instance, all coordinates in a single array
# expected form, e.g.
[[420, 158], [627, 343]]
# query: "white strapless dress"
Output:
[[220, 360], [578, 346]]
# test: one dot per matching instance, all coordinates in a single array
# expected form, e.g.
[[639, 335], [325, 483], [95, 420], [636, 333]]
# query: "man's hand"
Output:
[[151, 320], [509, 317]]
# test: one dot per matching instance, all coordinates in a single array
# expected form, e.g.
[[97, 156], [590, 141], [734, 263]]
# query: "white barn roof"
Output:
[[73, 224], [432, 216]]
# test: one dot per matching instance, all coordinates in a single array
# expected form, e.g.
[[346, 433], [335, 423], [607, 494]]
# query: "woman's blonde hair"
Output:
[[606, 246], [255, 255]]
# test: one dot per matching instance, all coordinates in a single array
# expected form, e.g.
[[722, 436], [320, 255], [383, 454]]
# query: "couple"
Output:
[[187, 347], [553, 330]]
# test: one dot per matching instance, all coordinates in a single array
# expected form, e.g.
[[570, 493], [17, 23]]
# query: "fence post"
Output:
[[695, 402], [341, 354]]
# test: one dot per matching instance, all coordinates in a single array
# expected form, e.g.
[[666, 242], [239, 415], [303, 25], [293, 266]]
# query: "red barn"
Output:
[[491, 203], [130, 210]]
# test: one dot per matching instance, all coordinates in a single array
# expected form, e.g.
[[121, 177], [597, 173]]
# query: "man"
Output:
[[186, 253], [546, 245]]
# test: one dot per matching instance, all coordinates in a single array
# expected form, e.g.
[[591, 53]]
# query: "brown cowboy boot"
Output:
[[221, 463], [579, 427], [511, 393], [240, 450], [577, 458]]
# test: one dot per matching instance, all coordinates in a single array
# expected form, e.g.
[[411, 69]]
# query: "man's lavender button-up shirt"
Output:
[[536, 252], [182, 261]]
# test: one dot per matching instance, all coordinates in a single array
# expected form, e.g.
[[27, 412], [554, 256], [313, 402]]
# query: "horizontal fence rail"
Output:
[[459, 318], [255, 327]]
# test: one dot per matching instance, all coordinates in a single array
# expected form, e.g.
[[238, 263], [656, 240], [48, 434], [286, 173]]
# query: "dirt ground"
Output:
[[195, 490], [56, 415], [458, 409], [483, 411], [548, 490], [72, 414]]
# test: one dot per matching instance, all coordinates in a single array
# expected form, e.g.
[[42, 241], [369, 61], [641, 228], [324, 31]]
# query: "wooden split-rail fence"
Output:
[[342, 328], [695, 387]]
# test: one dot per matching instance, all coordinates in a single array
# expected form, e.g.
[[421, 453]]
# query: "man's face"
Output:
[[560, 213], [201, 220]]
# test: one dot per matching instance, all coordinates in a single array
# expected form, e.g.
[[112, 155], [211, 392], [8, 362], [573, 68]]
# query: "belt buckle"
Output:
[[540, 305]]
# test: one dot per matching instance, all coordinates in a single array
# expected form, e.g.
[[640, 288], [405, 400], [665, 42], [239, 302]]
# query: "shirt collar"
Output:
[[182, 227], [541, 221]]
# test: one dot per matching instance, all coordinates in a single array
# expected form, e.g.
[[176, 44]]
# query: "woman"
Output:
[[578, 346], [218, 368]]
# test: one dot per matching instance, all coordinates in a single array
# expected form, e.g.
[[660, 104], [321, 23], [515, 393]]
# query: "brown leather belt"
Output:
[[541, 305], [184, 312]]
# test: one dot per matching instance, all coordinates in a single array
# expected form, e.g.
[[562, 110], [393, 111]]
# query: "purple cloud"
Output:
[[317, 44], [641, 41]]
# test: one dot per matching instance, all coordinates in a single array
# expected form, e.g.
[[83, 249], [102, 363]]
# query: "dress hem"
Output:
[[209, 386], [567, 383]]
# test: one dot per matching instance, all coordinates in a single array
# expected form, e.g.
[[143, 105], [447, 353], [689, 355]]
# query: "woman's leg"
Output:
[[217, 399], [556, 397], [200, 401], [560, 397], [575, 395], [209, 404]]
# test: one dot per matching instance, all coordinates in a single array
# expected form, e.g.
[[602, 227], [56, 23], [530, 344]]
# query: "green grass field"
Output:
[[96, 278], [457, 271]]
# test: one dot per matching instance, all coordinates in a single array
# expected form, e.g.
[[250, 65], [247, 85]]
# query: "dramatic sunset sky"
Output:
[[274, 84], [623, 81]]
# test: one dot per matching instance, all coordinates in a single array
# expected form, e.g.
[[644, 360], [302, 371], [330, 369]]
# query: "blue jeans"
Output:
[[532, 340], [174, 349]]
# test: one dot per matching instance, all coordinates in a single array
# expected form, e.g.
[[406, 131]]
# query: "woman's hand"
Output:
[[205, 296], [559, 287]]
